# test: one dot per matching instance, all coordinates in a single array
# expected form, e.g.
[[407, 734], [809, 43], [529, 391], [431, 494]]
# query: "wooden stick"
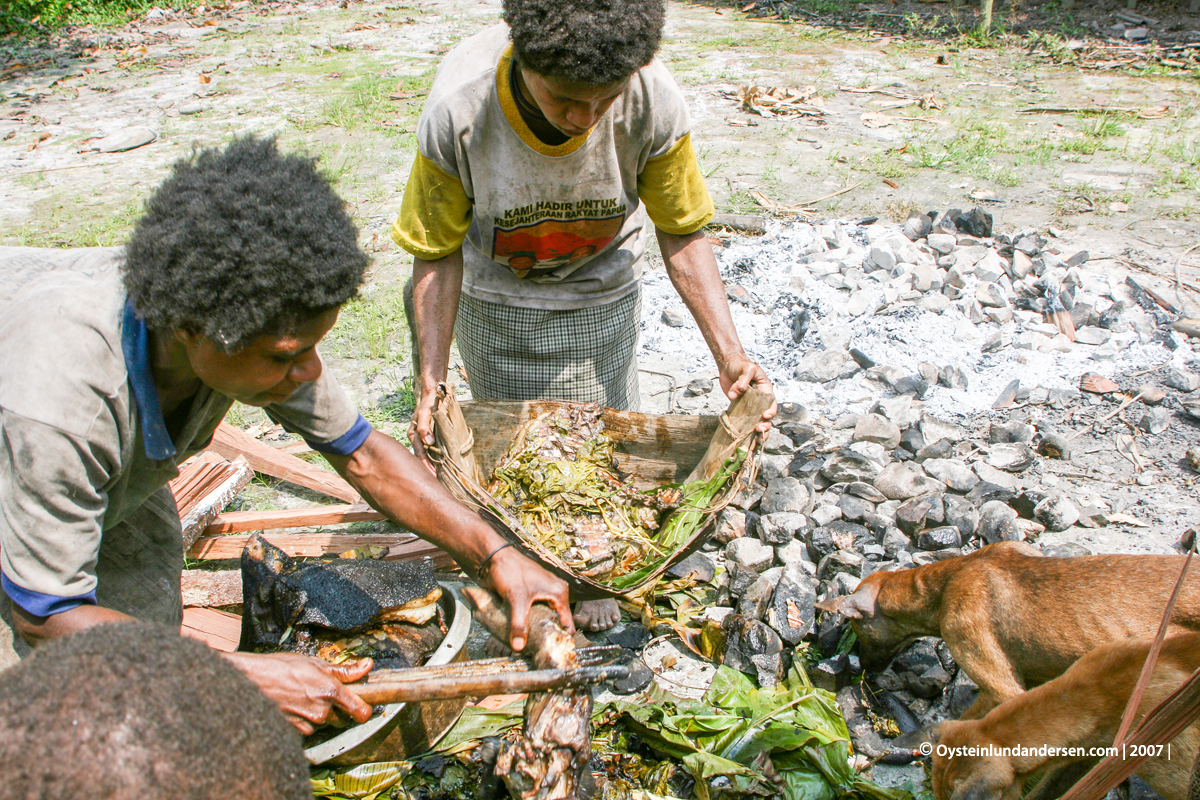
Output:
[[1135, 699], [401, 547], [398, 689], [231, 442], [237, 521]]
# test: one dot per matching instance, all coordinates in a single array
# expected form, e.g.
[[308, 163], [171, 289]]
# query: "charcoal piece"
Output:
[[831, 674], [906, 721], [861, 358], [343, 595], [697, 566], [745, 639], [986, 491], [639, 677], [632, 636], [801, 322], [976, 222], [939, 538]]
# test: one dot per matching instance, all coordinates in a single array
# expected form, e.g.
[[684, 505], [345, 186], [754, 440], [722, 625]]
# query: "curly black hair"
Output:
[[242, 242], [595, 42], [134, 710]]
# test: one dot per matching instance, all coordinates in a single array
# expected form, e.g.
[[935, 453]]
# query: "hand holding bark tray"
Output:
[[606, 499], [550, 760]]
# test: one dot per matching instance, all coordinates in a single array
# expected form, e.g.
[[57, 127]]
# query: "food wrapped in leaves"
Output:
[[339, 608], [560, 480]]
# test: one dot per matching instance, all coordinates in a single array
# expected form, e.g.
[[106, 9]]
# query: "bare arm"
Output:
[[393, 481], [692, 269], [437, 286], [306, 689]]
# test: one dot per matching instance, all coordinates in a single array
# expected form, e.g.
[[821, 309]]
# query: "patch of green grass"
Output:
[[365, 103], [1101, 127], [887, 164], [80, 227], [1053, 45], [740, 202], [26, 17], [708, 165], [372, 329]]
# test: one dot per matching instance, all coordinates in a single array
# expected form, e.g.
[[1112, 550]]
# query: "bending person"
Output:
[[117, 364]]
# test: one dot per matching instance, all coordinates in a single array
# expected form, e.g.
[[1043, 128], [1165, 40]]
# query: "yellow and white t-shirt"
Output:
[[552, 227]]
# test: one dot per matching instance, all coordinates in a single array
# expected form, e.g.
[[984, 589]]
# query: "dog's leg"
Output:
[[1055, 783], [977, 651]]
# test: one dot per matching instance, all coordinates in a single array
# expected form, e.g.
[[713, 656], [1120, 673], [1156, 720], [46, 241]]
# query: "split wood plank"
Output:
[[401, 546], [231, 442], [238, 521], [220, 630], [206, 483], [201, 588]]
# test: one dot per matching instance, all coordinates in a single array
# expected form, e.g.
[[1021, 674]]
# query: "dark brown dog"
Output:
[[1079, 709], [1013, 618]]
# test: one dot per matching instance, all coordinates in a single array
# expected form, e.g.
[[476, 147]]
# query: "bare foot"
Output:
[[597, 615]]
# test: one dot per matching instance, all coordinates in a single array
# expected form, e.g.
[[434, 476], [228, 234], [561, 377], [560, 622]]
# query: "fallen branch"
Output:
[[832, 194]]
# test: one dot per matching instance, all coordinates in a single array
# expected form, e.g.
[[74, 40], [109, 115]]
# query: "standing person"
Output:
[[539, 153], [116, 364]]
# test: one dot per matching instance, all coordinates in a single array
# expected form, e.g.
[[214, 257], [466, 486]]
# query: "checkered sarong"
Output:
[[582, 355]]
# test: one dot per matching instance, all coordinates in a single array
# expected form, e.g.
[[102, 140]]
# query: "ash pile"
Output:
[[942, 388]]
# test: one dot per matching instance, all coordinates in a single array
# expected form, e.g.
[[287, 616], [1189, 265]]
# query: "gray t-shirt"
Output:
[[546, 226], [73, 458]]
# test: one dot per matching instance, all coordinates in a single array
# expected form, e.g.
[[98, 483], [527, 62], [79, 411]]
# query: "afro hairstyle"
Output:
[[242, 242], [134, 710], [593, 42]]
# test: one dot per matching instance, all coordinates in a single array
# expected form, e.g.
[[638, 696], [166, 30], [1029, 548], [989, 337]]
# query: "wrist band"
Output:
[[483, 564]]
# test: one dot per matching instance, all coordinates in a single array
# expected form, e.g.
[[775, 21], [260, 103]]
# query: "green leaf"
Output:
[[476, 723]]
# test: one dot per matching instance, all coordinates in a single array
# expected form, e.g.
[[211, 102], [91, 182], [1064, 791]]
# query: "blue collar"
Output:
[[135, 344]]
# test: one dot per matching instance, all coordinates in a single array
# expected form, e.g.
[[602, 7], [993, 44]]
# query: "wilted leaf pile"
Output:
[[561, 482]]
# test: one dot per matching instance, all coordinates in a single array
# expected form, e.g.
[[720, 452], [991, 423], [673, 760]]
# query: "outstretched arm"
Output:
[[693, 271], [306, 689], [393, 481], [436, 289]]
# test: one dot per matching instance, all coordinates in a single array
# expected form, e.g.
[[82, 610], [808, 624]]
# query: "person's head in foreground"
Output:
[[239, 266], [136, 712], [576, 56]]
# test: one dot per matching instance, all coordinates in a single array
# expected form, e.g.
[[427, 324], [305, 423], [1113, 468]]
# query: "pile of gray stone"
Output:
[[1038, 297], [927, 470], [837, 500]]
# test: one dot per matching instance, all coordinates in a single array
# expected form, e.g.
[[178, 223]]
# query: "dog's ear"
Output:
[[858, 605]]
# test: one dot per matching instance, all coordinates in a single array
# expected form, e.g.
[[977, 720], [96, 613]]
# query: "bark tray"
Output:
[[655, 449]]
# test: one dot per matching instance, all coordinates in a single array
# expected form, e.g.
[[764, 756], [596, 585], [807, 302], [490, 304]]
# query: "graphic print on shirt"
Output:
[[536, 239]]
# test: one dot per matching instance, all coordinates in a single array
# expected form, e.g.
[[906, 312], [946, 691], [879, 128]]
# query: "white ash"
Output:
[[772, 269]]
